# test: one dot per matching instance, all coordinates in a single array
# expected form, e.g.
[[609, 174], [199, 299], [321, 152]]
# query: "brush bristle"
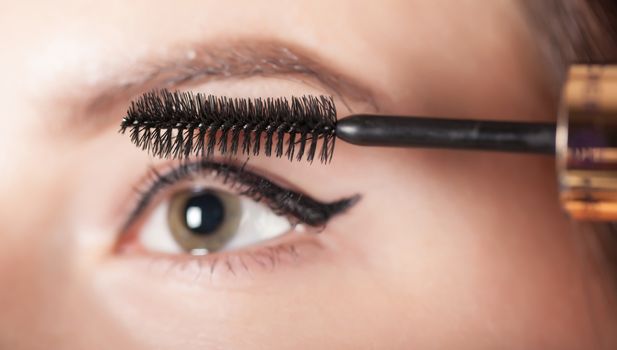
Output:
[[181, 124]]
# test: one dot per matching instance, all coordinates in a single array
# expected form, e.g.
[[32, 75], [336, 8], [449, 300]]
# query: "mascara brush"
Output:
[[180, 124]]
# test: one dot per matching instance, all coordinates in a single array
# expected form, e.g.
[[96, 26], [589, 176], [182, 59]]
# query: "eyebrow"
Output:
[[197, 64]]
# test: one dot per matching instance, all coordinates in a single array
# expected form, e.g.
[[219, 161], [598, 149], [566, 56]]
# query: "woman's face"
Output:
[[445, 249]]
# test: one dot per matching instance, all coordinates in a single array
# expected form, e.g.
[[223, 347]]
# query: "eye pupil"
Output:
[[204, 213]]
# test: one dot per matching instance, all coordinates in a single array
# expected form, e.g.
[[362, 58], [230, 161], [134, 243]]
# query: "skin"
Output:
[[446, 249]]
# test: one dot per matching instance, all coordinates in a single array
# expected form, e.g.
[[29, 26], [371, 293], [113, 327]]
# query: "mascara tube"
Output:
[[586, 143]]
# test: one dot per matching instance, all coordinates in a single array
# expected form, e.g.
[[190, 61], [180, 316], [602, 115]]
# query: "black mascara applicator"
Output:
[[182, 124], [179, 124]]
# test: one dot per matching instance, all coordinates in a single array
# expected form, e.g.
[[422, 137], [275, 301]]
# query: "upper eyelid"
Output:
[[317, 214]]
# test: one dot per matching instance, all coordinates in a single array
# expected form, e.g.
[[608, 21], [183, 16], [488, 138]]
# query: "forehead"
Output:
[[82, 38]]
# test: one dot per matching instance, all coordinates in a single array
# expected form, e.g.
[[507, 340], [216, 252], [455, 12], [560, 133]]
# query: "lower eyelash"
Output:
[[225, 267]]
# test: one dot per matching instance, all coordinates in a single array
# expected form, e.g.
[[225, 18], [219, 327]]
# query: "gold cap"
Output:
[[587, 143]]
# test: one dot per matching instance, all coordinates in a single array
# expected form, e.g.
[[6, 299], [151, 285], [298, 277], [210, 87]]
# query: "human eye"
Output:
[[203, 208]]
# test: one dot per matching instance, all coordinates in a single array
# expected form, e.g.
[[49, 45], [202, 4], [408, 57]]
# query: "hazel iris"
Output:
[[205, 219]]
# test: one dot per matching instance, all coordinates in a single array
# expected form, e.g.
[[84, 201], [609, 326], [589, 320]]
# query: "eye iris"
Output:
[[204, 220], [204, 213]]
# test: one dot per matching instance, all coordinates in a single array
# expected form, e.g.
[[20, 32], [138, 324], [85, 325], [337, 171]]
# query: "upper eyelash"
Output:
[[178, 124], [297, 206]]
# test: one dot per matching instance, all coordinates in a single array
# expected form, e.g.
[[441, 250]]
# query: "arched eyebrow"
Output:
[[190, 65]]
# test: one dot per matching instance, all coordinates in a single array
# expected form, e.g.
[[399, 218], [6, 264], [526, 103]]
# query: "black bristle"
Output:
[[224, 130], [156, 142], [258, 131], [145, 139], [269, 136], [181, 124], [246, 139], [199, 144], [312, 148], [167, 141], [211, 136], [291, 144], [190, 134], [235, 139], [280, 138], [178, 148], [303, 136]]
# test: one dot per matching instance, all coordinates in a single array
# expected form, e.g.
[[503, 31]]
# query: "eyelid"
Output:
[[297, 206], [224, 268]]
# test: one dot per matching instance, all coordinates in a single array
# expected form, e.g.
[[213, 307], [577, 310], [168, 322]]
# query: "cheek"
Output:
[[292, 301], [461, 239], [44, 298], [47, 255]]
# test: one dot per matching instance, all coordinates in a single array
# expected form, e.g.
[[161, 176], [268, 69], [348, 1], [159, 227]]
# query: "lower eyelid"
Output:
[[230, 268]]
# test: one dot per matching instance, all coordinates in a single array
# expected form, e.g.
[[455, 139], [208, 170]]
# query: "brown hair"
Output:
[[581, 31], [575, 30]]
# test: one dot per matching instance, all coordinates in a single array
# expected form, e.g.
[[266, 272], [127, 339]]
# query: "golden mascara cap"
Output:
[[586, 143]]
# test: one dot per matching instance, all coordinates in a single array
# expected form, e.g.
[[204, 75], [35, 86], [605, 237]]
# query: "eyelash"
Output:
[[297, 207]]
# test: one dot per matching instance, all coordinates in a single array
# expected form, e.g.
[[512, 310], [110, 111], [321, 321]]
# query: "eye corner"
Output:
[[318, 215]]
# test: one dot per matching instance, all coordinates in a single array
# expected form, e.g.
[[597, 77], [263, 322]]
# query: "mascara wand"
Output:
[[181, 124]]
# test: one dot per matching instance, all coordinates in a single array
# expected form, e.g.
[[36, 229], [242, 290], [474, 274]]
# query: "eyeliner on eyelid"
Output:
[[283, 201]]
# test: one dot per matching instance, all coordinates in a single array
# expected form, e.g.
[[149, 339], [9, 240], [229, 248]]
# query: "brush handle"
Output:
[[392, 131]]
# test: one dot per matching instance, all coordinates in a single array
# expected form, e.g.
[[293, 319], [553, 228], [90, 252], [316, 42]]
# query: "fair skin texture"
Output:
[[446, 249]]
